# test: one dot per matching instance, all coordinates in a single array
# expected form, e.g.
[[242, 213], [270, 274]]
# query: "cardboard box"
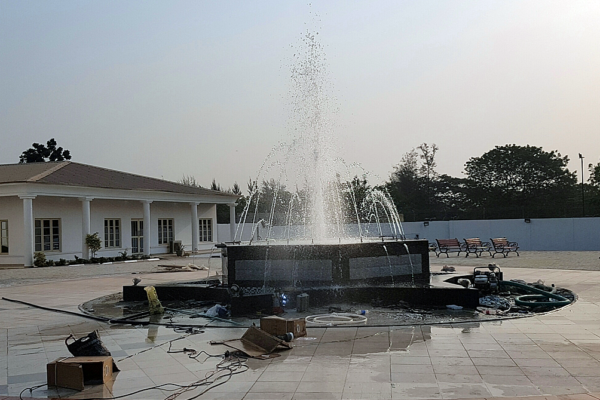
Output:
[[256, 343], [75, 372], [280, 326]]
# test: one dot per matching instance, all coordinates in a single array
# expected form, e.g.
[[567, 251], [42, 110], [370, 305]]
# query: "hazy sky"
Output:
[[167, 88]]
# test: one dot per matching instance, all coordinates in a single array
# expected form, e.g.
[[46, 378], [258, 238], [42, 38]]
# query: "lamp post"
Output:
[[582, 191]]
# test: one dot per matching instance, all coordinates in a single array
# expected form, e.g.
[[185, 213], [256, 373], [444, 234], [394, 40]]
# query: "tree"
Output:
[[41, 153], [356, 193], [93, 243], [222, 209], [412, 182], [241, 203], [592, 191], [215, 186], [594, 178], [520, 181], [451, 197], [427, 169], [189, 180]]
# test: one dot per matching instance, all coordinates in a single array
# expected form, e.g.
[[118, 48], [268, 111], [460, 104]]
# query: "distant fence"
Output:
[[565, 234]]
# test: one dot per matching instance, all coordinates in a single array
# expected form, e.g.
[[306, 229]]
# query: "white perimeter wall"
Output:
[[565, 234]]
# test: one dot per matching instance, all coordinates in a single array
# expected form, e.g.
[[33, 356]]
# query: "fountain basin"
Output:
[[258, 267], [382, 272]]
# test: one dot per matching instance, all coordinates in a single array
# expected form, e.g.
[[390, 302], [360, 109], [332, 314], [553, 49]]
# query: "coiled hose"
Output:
[[532, 300]]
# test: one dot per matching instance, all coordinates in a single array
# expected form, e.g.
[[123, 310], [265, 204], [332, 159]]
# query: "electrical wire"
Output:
[[120, 320], [232, 364], [31, 389], [193, 353]]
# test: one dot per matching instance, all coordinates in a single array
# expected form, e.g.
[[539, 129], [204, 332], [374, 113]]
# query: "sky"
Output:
[[199, 88]]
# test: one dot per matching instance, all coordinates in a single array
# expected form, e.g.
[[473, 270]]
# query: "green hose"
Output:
[[538, 294]]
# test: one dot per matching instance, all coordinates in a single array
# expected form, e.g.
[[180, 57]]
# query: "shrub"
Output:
[[123, 255], [79, 260], [39, 259]]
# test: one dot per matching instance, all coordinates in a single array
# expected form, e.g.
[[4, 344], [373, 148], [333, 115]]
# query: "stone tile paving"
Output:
[[566, 260], [553, 356], [27, 276]]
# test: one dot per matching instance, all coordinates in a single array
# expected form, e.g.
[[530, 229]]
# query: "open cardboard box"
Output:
[[75, 372], [256, 343], [280, 326]]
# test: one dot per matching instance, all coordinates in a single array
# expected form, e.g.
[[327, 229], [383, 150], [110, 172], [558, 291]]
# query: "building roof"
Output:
[[70, 173]]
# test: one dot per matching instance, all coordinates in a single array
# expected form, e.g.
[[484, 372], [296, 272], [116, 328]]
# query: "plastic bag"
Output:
[[217, 311], [89, 345]]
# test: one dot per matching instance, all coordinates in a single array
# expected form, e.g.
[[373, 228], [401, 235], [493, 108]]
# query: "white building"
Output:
[[52, 206]]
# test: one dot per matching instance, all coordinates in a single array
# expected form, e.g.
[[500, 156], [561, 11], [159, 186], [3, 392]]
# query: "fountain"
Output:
[[331, 234]]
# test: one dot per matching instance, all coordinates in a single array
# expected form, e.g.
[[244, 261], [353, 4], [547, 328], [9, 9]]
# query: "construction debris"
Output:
[[257, 343], [182, 268]]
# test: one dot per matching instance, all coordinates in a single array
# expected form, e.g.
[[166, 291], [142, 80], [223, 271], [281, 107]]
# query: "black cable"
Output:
[[153, 347], [185, 388], [102, 319], [193, 353], [178, 386], [157, 387], [232, 368], [31, 389], [118, 320], [198, 354]]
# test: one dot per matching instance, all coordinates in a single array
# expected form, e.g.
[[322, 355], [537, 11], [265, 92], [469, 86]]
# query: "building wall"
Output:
[[69, 211], [127, 210], [11, 210]]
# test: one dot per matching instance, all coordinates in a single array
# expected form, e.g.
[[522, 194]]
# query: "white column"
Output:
[[28, 230], [195, 226], [86, 225], [232, 222], [147, 242]]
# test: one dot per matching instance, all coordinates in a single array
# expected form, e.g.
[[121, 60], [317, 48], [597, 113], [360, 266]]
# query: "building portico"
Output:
[[56, 213]]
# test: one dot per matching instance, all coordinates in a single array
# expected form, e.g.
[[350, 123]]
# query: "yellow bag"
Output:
[[153, 302]]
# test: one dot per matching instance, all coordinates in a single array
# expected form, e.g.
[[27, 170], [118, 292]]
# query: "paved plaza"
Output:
[[545, 356]]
